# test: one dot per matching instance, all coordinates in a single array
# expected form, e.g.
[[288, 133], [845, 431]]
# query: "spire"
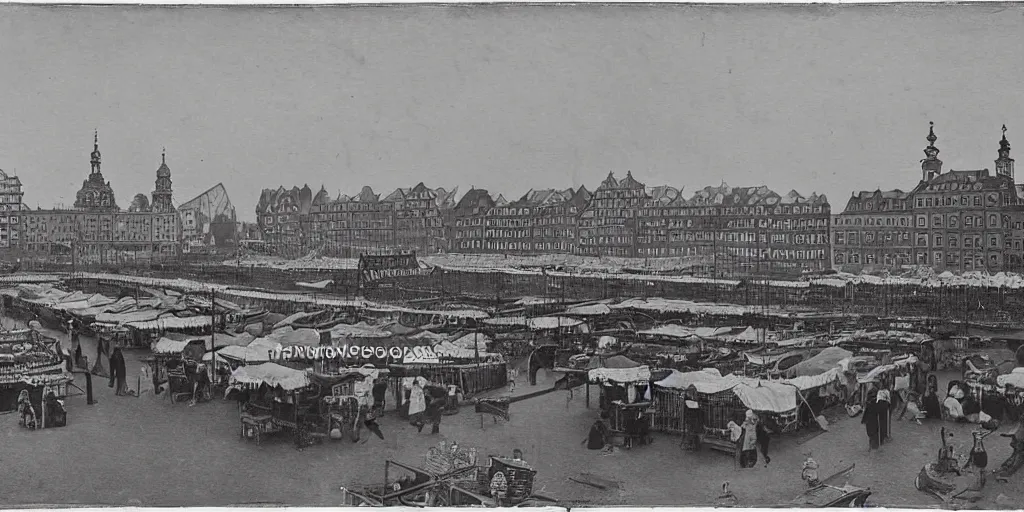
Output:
[[931, 134], [931, 166], [1004, 164], [95, 157], [163, 155]]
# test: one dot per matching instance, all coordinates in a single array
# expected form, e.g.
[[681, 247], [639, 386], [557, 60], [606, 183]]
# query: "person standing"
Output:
[[871, 419], [438, 396], [417, 404], [748, 441], [118, 373], [884, 411], [379, 392]]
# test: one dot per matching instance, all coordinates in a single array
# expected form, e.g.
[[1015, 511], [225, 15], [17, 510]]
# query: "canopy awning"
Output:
[[270, 374]]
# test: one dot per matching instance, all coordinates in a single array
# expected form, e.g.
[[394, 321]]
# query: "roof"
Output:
[[301, 198], [475, 198]]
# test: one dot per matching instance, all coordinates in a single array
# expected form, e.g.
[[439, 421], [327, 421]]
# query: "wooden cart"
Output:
[[828, 494]]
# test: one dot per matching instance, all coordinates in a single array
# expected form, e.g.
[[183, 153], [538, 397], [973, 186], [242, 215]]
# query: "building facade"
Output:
[[469, 218], [608, 225], [97, 231], [282, 216], [11, 205], [350, 226], [956, 220], [421, 216], [875, 231]]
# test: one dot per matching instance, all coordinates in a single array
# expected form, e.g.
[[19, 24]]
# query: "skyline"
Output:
[[825, 99]]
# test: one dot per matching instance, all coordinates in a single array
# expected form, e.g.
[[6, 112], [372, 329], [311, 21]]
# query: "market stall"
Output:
[[275, 398], [29, 362], [625, 397]]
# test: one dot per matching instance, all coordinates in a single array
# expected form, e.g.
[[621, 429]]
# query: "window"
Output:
[[993, 221], [936, 221], [938, 241], [993, 241], [967, 241], [922, 240], [922, 221], [968, 221], [952, 241]]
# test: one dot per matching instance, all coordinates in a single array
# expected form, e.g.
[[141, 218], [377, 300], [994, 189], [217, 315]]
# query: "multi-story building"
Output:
[[607, 226], [873, 232], [350, 226], [653, 238], [420, 215], [508, 228], [97, 231], [11, 205], [737, 230], [469, 219], [958, 220], [283, 216], [556, 216]]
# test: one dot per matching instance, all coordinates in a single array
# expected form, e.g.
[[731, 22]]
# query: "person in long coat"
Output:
[[871, 419], [118, 373], [884, 410]]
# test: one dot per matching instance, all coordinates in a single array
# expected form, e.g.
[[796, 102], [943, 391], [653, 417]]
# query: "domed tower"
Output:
[[931, 166], [1004, 164], [163, 193], [95, 194]]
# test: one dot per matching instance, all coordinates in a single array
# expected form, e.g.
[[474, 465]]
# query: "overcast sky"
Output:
[[827, 99]]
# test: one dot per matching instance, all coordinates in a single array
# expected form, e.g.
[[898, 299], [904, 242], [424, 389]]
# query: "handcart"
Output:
[[828, 494], [944, 478], [496, 407]]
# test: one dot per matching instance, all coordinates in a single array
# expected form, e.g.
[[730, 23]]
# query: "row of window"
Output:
[[937, 258]]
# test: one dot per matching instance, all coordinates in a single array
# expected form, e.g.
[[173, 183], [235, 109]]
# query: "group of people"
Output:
[[750, 436], [426, 404]]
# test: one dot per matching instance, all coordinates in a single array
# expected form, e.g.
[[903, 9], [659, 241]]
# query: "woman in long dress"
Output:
[[417, 403], [871, 419], [118, 373], [748, 441]]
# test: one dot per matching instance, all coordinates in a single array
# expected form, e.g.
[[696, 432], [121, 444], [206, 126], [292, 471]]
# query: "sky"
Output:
[[826, 99]]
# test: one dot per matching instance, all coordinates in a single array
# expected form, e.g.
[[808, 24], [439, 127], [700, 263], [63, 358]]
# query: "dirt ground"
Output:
[[145, 451]]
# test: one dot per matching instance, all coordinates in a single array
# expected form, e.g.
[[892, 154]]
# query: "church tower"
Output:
[[162, 194], [931, 166], [1004, 164], [95, 194]]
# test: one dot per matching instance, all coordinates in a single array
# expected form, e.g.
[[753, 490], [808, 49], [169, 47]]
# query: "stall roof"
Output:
[[171, 322], [670, 331], [169, 346], [552, 322], [614, 362], [271, 374], [359, 330], [508, 321], [826, 360], [319, 285], [138, 315], [635, 375], [589, 310]]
